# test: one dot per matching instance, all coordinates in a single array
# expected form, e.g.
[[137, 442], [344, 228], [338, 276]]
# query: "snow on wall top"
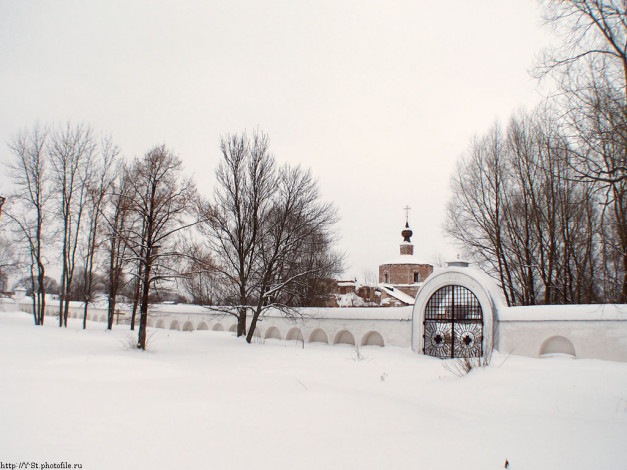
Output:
[[350, 313], [356, 313], [591, 312]]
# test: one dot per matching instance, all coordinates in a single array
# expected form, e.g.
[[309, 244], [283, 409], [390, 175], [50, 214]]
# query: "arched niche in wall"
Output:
[[344, 337], [273, 333], [372, 338], [318, 336], [557, 345], [294, 334]]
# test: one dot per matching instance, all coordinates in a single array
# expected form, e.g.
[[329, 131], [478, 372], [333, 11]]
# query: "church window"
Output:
[[386, 278], [416, 277]]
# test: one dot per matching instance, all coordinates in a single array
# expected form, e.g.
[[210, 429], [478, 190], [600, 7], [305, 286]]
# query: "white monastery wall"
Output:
[[582, 331], [585, 331], [359, 326], [596, 339]]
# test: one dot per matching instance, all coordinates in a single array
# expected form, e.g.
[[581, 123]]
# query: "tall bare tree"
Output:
[[98, 190], [519, 209], [161, 198], [119, 220], [268, 228], [245, 187], [71, 154], [593, 41], [475, 213], [29, 209], [591, 67]]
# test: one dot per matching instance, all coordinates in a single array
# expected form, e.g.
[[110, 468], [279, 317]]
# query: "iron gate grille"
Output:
[[453, 324]]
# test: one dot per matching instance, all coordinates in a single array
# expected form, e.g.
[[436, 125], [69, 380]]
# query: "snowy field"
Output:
[[206, 400]]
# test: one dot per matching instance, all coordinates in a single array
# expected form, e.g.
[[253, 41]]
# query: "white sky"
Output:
[[379, 98]]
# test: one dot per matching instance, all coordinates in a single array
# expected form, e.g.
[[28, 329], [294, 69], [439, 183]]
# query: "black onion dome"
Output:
[[407, 233]]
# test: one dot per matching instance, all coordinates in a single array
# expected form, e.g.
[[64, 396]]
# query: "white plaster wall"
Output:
[[7, 305], [52, 307], [520, 330], [395, 332], [596, 339], [392, 324]]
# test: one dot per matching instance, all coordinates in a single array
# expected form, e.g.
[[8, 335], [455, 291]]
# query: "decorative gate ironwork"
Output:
[[453, 324]]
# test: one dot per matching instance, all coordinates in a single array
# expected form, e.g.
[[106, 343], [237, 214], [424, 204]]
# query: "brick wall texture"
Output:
[[404, 273]]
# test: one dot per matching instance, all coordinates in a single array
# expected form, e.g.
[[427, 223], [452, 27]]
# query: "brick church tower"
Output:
[[405, 273]]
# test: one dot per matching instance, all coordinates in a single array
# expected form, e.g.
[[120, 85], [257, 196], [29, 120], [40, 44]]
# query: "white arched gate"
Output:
[[453, 323]]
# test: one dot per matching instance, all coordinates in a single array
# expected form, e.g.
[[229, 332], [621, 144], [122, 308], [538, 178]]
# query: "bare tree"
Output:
[[9, 262], [245, 187], [269, 230], [71, 154], [475, 213], [51, 286], [369, 277], [519, 210], [200, 280], [29, 211], [119, 222], [97, 192], [594, 40], [161, 198], [591, 67]]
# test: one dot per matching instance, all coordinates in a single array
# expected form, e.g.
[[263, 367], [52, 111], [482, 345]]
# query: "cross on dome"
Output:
[[407, 233]]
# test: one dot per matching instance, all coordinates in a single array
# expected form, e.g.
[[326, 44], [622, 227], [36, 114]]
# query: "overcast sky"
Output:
[[378, 98]]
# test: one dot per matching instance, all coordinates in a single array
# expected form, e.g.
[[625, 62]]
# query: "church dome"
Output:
[[407, 233]]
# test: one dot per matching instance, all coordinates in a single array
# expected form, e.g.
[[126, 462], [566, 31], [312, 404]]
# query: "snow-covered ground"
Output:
[[205, 399]]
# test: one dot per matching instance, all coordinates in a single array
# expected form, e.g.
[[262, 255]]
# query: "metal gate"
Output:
[[453, 324]]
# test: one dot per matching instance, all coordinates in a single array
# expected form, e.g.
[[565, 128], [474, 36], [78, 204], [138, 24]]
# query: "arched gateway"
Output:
[[454, 314], [453, 324]]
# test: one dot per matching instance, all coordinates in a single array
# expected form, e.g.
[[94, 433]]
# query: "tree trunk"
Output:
[[85, 315], [110, 312], [135, 304], [41, 293], [143, 319], [241, 322], [253, 325], [138, 286], [623, 292]]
